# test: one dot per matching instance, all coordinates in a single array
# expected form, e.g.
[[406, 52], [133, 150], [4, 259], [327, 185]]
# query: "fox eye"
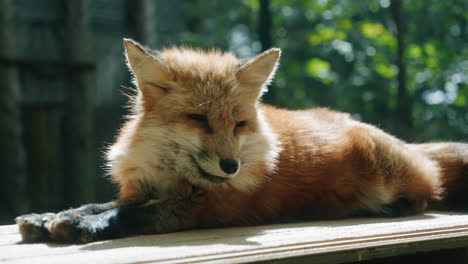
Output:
[[241, 124], [198, 118]]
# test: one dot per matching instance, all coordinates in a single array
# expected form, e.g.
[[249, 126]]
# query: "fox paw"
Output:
[[61, 227], [31, 227], [68, 229]]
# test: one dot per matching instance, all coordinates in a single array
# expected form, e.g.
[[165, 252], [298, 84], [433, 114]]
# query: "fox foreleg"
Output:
[[96, 222]]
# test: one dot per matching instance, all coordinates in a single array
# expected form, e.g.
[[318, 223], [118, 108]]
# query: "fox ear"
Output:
[[136, 54], [146, 67], [258, 72]]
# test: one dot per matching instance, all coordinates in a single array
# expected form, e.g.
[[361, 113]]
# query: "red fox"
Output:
[[199, 150]]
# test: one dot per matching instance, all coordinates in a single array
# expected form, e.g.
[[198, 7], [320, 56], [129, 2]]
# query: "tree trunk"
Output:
[[265, 25], [404, 105], [264, 33]]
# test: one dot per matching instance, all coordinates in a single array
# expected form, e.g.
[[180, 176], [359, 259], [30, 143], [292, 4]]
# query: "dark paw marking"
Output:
[[80, 225], [31, 227], [67, 229], [61, 229], [399, 208], [64, 228], [31, 230]]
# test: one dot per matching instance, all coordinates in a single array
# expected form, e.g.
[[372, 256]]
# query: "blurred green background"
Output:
[[400, 65]]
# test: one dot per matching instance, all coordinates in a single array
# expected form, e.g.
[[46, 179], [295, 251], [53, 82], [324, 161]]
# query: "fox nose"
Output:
[[229, 166]]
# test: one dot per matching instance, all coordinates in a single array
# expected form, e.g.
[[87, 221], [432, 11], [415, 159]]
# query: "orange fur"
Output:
[[293, 164]]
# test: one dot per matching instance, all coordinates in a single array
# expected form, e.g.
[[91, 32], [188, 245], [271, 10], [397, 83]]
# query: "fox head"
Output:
[[196, 116]]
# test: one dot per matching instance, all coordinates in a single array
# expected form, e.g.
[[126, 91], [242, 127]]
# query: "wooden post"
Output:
[[80, 179], [13, 181], [144, 17]]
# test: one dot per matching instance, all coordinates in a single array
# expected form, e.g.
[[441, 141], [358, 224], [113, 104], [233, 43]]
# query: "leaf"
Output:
[[371, 30], [325, 34], [414, 51], [430, 49], [432, 63], [254, 5], [387, 39], [318, 68], [344, 24], [461, 100], [387, 70]]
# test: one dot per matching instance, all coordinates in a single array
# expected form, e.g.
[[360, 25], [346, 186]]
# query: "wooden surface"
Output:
[[317, 242]]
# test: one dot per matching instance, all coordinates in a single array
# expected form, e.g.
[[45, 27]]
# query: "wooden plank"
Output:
[[8, 230], [317, 242], [380, 252]]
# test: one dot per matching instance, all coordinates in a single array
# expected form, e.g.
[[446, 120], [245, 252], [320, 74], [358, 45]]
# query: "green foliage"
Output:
[[387, 70], [372, 30], [325, 34], [343, 54], [319, 69]]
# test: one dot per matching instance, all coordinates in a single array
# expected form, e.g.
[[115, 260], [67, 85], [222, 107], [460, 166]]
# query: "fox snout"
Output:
[[214, 168], [229, 166]]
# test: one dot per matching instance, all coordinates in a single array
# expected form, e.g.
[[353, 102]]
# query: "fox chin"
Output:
[[199, 150]]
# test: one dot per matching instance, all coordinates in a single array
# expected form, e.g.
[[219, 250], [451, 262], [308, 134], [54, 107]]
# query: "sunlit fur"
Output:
[[293, 164], [158, 145]]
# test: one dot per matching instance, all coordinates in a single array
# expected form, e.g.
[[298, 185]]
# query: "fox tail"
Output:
[[453, 161]]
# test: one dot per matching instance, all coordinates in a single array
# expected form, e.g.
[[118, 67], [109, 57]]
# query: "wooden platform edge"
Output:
[[304, 248], [346, 250]]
